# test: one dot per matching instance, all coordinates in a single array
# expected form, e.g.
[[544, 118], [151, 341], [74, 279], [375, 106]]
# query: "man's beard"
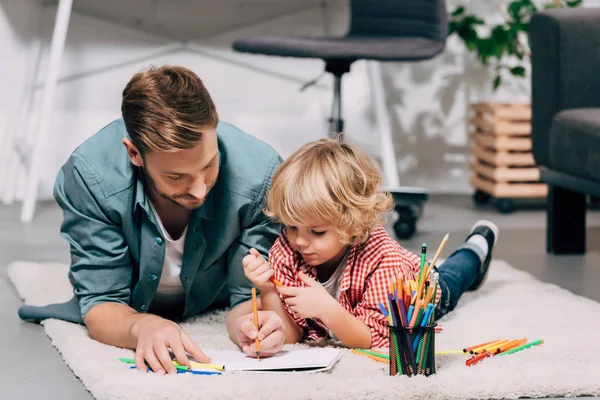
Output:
[[173, 200]]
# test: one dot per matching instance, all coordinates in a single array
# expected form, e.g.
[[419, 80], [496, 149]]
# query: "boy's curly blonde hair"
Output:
[[332, 183]]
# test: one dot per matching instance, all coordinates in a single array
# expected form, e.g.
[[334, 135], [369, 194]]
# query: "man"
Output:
[[160, 207]]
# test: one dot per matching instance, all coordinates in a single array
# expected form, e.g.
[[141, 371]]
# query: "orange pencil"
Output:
[[400, 288], [491, 348], [255, 312], [276, 282], [468, 349], [478, 349], [415, 312], [510, 345], [429, 295]]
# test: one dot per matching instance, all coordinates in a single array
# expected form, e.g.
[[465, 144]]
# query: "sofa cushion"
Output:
[[575, 143]]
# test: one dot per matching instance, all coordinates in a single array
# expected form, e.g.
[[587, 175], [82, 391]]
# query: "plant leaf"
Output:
[[518, 71], [574, 3], [458, 12], [497, 82]]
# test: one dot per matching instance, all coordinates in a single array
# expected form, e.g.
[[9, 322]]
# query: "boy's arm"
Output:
[[350, 330], [314, 301], [376, 290], [270, 301]]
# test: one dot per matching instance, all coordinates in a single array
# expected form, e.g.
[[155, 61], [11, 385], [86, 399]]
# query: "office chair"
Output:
[[380, 30]]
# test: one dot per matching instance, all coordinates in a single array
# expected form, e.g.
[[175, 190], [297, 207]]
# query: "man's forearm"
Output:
[[271, 301], [114, 324], [239, 310]]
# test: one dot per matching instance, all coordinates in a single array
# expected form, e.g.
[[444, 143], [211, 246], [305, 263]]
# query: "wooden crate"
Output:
[[503, 165]]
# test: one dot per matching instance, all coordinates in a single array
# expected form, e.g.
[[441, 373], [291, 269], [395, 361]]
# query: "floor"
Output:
[[32, 369]]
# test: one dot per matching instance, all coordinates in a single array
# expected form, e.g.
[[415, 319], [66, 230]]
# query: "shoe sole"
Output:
[[494, 229]]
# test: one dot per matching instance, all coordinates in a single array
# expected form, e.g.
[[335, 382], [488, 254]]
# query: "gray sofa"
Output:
[[565, 49]]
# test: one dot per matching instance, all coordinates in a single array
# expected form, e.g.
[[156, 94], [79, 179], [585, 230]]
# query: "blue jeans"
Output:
[[457, 274]]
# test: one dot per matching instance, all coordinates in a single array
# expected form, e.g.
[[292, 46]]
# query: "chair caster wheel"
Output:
[[405, 228], [505, 206], [481, 198]]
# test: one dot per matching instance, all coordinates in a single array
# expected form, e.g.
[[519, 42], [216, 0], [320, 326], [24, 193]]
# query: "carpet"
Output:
[[511, 304]]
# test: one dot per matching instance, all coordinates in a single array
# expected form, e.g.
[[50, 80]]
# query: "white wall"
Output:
[[428, 100]]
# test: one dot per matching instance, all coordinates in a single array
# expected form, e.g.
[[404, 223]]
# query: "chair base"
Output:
[[408, 200], [566, 211], [408, 204]]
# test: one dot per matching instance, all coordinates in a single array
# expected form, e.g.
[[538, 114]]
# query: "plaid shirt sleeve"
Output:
[[281, 258], [377, 286]]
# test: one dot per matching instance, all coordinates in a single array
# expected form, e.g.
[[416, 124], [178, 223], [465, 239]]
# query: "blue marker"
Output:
[[195, 372], [383, 309], [411, 308]]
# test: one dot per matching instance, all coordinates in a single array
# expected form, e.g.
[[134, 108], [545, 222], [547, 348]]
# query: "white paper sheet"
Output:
[[318, 359]]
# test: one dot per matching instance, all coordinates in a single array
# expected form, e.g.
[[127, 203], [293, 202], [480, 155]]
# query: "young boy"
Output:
[[334, 258]]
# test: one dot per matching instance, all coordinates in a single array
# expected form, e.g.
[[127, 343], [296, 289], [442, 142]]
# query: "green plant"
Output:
[[504, 40]]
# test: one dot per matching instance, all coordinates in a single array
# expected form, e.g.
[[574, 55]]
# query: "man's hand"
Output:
[[155, 335], [258, 271], [308, 302], [271, 333]]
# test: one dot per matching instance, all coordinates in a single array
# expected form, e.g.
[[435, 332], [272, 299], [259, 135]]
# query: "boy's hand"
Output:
[[308, 302], [258, 271]]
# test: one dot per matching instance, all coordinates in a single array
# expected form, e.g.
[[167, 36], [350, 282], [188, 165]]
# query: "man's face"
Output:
[[184, 177]]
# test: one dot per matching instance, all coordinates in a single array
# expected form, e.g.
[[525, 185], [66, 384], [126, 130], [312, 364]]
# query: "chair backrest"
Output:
[[420, 18]]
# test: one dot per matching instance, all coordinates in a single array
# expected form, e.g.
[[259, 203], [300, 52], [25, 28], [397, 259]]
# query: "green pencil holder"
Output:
[[412, 350]]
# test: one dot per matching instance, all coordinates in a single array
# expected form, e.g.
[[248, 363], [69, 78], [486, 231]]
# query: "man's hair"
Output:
[[331, 183], [166, 109]]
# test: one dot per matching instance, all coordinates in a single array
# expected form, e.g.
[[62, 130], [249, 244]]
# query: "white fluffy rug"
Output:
[[512, 304]]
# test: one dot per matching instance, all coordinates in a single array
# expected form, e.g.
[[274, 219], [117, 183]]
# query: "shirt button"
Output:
[[159, 240], [153, 277], [143, 307]]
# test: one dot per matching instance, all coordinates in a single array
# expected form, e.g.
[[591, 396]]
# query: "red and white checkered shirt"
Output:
[[364, 283]]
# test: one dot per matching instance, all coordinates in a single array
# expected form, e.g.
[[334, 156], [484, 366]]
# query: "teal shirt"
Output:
[[117, 247]]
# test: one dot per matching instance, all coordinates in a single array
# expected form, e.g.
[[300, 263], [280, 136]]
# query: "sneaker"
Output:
[[490, 232]]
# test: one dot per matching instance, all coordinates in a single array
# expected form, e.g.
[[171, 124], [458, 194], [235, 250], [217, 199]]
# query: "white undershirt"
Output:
[[333, 284], [170, 288]]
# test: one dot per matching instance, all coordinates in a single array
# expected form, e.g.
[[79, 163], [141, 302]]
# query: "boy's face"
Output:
[[317, 244]]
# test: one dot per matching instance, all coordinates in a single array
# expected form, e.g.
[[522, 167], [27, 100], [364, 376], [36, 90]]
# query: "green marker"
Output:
[[525, 346], [423, 260], [374, 353]]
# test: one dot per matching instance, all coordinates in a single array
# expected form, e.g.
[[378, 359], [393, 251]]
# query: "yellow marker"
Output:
[[196, 365], [450, 352]]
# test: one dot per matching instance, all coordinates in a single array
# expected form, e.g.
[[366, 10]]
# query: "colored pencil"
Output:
[[523, 347], [508, 346], [479, 349], [491, 348], [385, 359], [474, 360], [191, 371], [468, 349], [255, 314], [276, 282]]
